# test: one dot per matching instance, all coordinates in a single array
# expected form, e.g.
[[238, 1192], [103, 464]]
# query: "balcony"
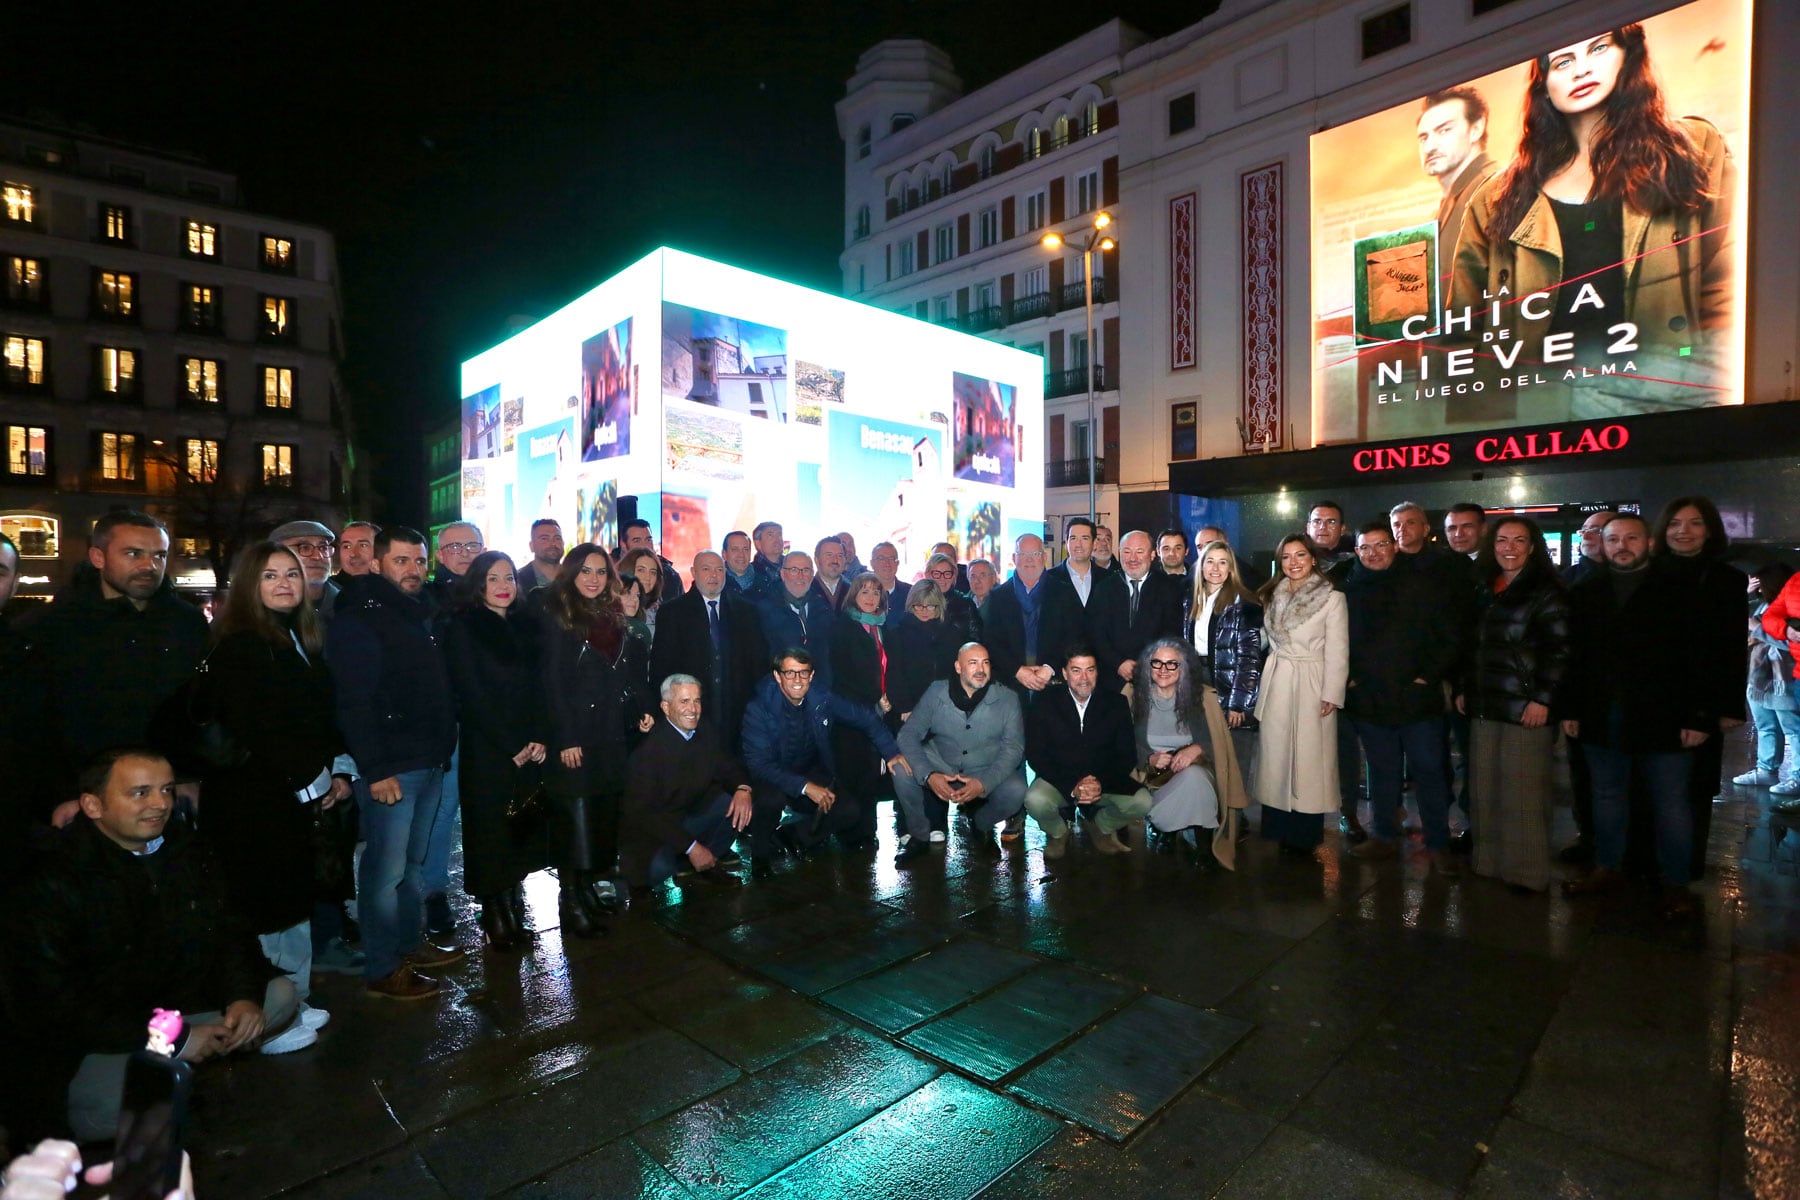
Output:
[[1074, 382], [1074, 295], [1027, 308], [1073, 472], [980, 320]]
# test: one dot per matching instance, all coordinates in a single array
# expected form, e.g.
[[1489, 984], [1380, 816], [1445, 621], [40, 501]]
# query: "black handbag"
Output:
[[190, 728]]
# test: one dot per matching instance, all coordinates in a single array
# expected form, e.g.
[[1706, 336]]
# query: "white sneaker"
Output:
[[1756, 777], [295, 1037], [1787, 787], [937, 837], [312, 1018]]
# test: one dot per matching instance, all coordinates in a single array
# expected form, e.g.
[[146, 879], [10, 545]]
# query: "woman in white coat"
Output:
[[1303, 681]]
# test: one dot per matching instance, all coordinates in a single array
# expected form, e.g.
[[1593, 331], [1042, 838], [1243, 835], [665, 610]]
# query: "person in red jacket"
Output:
[[1781, 621]]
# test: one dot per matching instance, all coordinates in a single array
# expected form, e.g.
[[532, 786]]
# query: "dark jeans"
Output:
[[1459, 733], [389, 888], [708, 823], [1349, 768], [1665, 777], [1390, 748]]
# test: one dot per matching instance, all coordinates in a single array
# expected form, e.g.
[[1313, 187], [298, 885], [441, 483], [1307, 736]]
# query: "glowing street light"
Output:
[[1093, 240]]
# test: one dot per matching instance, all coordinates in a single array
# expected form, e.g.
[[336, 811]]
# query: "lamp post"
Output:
[[1094, 239]]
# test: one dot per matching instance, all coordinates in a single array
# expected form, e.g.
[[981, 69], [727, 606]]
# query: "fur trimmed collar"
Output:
[[1290, 608]]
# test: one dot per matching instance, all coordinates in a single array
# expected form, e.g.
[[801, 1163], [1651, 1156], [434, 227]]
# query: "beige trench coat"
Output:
[[1308, 664]]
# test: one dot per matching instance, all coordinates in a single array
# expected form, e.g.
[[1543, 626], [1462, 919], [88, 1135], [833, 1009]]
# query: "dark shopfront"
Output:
[[1746, 457]]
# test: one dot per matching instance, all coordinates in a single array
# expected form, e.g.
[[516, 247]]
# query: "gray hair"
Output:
[[1409, 506], [667, 691]]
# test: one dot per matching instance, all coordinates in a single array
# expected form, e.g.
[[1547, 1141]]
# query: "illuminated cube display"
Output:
[[721, 398]]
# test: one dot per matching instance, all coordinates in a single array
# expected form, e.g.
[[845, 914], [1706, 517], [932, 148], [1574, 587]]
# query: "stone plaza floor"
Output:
[[1101, 1027]]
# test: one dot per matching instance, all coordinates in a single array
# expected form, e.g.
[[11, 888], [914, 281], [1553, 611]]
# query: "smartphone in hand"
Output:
[[152, 1127]]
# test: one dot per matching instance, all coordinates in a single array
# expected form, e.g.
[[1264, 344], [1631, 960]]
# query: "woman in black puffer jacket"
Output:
[[1521, 650]]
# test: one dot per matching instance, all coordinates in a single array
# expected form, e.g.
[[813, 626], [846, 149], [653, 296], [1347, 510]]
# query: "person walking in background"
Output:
[[492, 650], [1509, 692], [1302, 691]]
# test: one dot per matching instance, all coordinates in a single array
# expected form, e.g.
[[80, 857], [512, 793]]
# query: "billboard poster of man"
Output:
[[1558, 241]]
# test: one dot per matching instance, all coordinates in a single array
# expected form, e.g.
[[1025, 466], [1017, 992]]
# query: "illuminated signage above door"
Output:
[[1493, 448]]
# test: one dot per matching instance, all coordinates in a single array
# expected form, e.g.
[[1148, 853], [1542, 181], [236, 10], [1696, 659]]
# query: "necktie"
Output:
[[712, 621], [1135, 585]]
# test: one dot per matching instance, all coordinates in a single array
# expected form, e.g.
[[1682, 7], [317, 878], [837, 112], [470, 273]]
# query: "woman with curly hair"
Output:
[[1174, 743], [593, 670], [1613, 225]]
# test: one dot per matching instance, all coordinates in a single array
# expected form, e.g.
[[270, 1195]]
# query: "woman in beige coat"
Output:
[[1303, 681]]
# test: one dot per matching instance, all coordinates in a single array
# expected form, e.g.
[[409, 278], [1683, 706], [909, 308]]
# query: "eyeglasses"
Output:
[[797, 570], [796, 676], [1165, 664], [459, 547], [1371, 547], [311, 549]]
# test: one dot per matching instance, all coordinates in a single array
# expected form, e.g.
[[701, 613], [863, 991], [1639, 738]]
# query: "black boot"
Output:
[[514, 899], [576, 919], [496, 924]]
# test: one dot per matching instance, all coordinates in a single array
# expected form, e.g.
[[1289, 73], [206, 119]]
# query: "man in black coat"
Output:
[[685, 797], [1069, 589], [1131, 608], [794, 614], [1637, 696], [126, 914], [1401, 652], [1015, 622], [715, 636], [397, 715], [1080, 741], [100, 661]]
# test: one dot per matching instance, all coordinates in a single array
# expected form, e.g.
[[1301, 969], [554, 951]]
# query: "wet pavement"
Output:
[[1120, 1027]]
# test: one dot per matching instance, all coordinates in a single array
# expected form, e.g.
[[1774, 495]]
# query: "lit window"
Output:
[[24, 281], [35, 536], [21, 204], [119, 456], [278, 388], [1034, 144], [1087, 191], [24, 361], [184, 547], [1060, 132], [275, 311], [118, 371], [202, 376], [277, 253], [277, 464], [202, 459], [27, 451], [116, 294], [202, 240], [115, 223], [201, 307]]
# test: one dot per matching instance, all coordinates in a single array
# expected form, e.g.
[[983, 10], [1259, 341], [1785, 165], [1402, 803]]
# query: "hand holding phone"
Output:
[[147, 1152]]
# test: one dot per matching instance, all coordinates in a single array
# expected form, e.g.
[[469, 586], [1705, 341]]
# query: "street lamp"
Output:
[[1092, 240]]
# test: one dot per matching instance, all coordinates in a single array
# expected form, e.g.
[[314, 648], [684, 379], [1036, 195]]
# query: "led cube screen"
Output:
[[721, 398]]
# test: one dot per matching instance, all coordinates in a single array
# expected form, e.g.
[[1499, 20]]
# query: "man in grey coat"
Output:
[[966, 744]]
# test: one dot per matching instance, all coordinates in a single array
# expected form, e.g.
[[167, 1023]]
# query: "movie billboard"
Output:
[[1561, 240], [708, 399]]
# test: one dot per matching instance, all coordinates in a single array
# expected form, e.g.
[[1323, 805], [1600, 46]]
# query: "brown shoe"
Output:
[[1056, 847], [428, 956], [1375, 848], [404, 983], [1595, 883], [1446, 864], [1107, 843]]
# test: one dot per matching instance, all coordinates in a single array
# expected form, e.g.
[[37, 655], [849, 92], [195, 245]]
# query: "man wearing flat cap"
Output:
[[315, 545]]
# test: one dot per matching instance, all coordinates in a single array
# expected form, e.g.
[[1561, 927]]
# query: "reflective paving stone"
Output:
[[1115, 1077], [745, 1021], [813, 968], [1003, 1031], [738, 1137], [401, 1175], [1292, 1163], [260, 1125], [766, 937], [902, 996], [1527, 1163], [616, 1171], [948, 1140]]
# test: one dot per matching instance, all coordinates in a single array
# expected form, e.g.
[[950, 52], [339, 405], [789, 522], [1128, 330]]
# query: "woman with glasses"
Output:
[[1225, 625], [958, 610], [1520, 655], [924, 646], [1174, 744], [491, 649], [1303, 683], [593, 671]]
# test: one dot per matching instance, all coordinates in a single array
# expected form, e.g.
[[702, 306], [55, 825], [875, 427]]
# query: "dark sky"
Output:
[[477, 163]]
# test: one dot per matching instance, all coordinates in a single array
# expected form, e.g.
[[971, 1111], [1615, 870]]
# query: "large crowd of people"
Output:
[[185, 804]]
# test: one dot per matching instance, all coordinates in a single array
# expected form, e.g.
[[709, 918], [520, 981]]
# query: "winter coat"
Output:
[[685, 647], [1781, 620], [278, 705], [786, 745], [1234, 643], [1716, 591], [987, 744], [783, 629], [94, 672], [1521, 650], [1642, 659], [1112, 631], [1308, 664], [919, 654], [1064, 747], [1771, 667], [595, 698], [1402, 646], [393, 694]]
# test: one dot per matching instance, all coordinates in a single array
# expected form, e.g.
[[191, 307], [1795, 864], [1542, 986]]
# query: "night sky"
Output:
[[477, 164]]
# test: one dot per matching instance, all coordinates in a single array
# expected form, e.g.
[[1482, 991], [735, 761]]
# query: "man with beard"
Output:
[[1452, 132], [546, 556], [96, 666], [966, 745]]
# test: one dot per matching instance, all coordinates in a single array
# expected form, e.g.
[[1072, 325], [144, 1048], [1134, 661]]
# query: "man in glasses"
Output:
[[315, 545], [457, 547], [795, 613]]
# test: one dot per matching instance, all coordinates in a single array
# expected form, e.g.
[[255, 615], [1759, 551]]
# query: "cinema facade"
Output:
[[1342, 288]]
